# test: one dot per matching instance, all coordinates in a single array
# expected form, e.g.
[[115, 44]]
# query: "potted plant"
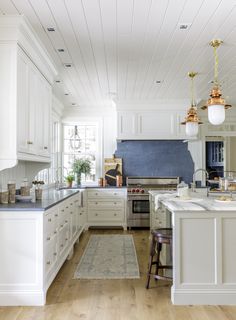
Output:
[[82, 165], [69, 179]]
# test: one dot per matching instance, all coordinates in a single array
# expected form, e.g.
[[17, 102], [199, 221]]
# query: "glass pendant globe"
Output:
[[191, 129], [216, 114]]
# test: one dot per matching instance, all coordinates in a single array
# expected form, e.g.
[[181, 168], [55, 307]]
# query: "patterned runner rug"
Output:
[[108, 257]]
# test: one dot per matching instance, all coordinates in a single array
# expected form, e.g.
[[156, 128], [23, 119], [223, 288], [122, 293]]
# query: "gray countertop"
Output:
[[51, 197]]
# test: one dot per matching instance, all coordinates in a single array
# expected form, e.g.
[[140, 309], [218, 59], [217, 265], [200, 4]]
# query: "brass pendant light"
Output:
[[192, 120], [216, 104]]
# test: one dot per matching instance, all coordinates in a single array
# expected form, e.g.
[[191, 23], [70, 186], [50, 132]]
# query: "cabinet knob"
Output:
[[66, 221], [62, 210], [71, 212], [54, 253], [114, 202], [45, 148], [48, 238], [67, 239], [62, 245], [61, 225], [48, 262], [56, 215], [96, 214], [115, 214], [49, 220], [96, 203], [67, 207], [55, 232], [29, 142]]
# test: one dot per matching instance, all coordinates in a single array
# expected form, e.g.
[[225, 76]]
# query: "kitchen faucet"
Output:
[[194, 177]]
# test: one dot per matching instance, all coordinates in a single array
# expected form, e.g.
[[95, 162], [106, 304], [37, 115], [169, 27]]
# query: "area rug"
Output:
[[108, 257]]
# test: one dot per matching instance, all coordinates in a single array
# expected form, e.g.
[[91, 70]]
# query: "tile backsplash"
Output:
[[156, 158]]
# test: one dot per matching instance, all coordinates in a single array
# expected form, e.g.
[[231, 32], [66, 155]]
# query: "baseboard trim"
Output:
[[203, 297], [22, 298]]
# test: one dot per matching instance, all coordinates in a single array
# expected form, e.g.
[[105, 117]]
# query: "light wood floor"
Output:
[[70, 299]]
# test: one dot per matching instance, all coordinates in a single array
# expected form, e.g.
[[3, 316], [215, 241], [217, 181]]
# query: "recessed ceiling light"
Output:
[[159, 81], [184, 26], [73, 104], [60, 50], [68, 65], [51, 29], [58, 81], [66, 94]]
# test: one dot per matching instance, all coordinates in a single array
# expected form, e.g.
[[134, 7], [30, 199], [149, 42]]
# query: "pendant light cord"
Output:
[[216, 66], [192, 92]]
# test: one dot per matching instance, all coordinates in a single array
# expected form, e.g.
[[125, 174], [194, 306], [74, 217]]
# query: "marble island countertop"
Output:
[[50, 198], [197, 202]]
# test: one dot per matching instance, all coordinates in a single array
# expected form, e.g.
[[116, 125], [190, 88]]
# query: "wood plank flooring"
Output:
[[70, 299]]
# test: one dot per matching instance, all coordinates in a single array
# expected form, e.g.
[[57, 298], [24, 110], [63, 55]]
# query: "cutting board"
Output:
[[112, 168]]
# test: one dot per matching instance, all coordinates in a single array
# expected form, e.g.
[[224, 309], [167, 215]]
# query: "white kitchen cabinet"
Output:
[[150, 125], [106, 207], [26, 77], [34, 108], [41, 243]]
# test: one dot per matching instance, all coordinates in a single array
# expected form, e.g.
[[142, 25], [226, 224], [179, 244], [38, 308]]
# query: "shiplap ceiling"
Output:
[[120, 48]]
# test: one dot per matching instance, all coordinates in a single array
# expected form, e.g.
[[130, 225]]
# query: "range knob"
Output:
[[133, 190], [142, 191], [137, 190]]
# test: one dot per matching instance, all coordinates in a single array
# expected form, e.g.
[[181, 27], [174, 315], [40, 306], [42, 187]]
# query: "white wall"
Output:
[[107, 123]]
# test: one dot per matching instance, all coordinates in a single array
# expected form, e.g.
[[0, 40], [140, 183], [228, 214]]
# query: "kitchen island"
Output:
[[204, 255]]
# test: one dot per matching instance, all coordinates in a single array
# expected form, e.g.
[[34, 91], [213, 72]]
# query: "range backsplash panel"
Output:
[[156, 158]]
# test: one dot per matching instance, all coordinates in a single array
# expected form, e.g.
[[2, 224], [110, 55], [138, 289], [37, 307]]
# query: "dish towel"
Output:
[[161, 196]]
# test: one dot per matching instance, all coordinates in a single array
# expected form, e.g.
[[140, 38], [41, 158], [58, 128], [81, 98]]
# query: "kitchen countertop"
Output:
[[51, 197], [197, 202]]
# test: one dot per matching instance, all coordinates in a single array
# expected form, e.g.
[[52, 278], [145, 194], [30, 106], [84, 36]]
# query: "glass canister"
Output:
[[4, 196], [25, 188], [11, 187]]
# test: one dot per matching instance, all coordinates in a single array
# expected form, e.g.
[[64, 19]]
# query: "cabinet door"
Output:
[[47, 119], [32, 89], [22, 103]]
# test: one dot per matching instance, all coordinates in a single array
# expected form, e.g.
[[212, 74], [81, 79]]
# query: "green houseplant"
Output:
[[82, 165], [69, 179]]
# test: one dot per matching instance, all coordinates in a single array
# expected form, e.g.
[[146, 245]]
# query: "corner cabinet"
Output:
[[150, 125], [26, 77], [33, 111]]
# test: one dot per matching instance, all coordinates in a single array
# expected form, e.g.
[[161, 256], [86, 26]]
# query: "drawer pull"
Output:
[[62, 225], [96, 214], [45, 148], [67, 207], [71, 203], [54, 253], [80, 213], [29, 142], [55, 232], [56, 215], [96, 193], [62, 210], [96, 203], [48, 262], [49, 220], [115, 214], [48, 238], [66, 221], [62, 245], [71, 212], [115, 203], [67, 239]]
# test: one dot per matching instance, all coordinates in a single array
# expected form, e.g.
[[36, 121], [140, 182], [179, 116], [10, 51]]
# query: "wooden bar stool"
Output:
[[159, 237]]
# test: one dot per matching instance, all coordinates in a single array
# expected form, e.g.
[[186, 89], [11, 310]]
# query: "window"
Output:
[[81, 141]]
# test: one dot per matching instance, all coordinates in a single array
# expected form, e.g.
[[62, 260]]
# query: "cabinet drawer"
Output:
[[106, 216], [50, 223], [63, 238], [50, 253], [100, 204], [105, 193]]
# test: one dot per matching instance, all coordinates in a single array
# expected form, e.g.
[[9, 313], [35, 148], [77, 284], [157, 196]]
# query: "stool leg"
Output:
[[152, 252], [159, 247]]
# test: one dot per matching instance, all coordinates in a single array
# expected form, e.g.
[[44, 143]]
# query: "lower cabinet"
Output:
[[106, 207], [35, 245]]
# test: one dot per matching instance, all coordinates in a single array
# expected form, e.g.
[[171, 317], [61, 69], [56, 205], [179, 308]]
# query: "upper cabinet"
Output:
[[150, 125], [26, 78]]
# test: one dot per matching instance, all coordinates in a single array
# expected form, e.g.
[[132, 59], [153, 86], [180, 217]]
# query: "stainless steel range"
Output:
[[138, 208]]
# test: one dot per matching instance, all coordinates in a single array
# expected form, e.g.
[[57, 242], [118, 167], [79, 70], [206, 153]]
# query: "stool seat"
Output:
[[159, 237]]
